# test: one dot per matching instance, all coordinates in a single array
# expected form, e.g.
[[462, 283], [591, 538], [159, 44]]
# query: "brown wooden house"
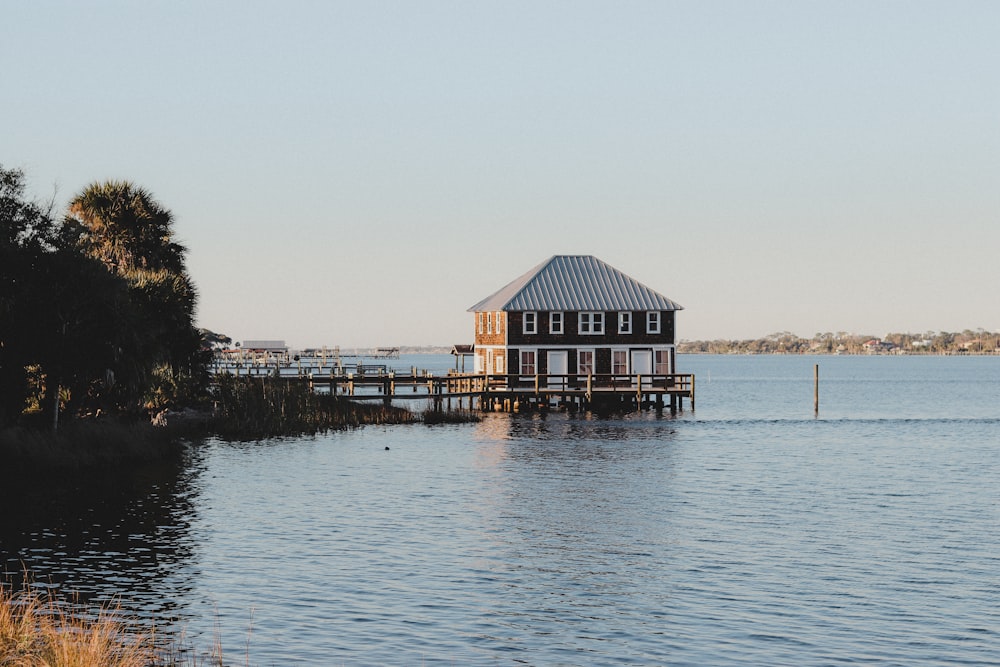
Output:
[[574, 315]]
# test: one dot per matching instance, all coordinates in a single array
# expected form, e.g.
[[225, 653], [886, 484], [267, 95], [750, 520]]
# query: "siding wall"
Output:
[[571, 334], [570, 339]]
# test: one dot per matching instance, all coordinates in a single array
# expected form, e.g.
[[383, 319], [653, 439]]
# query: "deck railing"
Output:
[[377, 382]]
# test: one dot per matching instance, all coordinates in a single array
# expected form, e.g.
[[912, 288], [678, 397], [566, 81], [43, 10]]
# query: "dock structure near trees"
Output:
[[508, 393]]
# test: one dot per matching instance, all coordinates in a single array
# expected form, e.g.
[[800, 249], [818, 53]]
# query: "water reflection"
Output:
[[119, 535], [576, 435]]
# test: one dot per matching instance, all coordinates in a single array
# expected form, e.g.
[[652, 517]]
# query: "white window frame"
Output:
[[593, 355], [661, 361], [625, 322], [489, 323], [653, 319], [498, 364], [499, 330], [554, 317], [521, 362], [530, 323], [624, 369], [594, 322], [482, 318]]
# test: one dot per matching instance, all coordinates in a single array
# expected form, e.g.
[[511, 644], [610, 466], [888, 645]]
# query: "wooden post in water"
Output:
[[816, 389]]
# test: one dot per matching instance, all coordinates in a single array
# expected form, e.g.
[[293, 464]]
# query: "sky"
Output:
[[360, 173]]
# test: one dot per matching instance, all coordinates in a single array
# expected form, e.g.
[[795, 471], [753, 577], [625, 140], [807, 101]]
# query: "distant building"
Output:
[[574, 314], [876, 346], [265, 346]]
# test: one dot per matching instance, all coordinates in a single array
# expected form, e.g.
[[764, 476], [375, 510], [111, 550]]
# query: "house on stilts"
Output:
[[579, 326]]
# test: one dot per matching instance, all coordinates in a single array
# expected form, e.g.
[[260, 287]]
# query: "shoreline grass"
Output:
[[38, 631], [256, 408]]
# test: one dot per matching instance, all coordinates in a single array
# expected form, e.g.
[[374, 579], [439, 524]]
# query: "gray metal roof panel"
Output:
[[574, 282]]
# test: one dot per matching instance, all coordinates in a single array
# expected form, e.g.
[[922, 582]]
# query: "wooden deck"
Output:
[[505, 392]]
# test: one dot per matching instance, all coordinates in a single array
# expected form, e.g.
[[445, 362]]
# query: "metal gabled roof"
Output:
[[575, 282]]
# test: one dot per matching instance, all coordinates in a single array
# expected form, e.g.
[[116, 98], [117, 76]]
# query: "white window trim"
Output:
[[533, 317], [552, 324], [489, 323], [520, 361], [666, 351], [482, 317], [625, 322], [653, 321], [593, 359], [596, 316], [628, 360]]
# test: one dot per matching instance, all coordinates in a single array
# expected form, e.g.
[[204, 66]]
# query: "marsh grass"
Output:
[[263, 407], [432, 417], [37, 632]]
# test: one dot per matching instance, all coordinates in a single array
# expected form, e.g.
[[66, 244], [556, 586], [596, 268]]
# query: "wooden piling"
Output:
[[816, 389]]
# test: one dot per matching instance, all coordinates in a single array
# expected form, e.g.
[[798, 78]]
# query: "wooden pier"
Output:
[[509, 393]]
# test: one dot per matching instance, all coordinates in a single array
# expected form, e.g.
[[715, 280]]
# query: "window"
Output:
[[499, 330], [653, 322], [624, 323], [661, 362], [527, 362], [555, 323], [530, 323], [489, 323], [585, 362], [499, 369], [481, 318], [619, 362], [591, 323]]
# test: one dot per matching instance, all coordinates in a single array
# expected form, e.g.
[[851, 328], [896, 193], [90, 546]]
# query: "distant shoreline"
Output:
[[968, 342]]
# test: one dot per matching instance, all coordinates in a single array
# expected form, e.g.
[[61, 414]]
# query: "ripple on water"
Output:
[[559, 540]]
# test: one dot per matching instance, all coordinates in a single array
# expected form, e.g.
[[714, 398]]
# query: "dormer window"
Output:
[[530, 323], [625, 323]]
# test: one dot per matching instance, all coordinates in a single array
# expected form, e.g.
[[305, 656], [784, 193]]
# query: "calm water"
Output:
[[748, 532]]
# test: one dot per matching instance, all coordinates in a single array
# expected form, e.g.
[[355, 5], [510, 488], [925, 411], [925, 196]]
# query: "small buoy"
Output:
[[386, 449]]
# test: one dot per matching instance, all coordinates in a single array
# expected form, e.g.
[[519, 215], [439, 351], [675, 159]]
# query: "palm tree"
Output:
[[126, 228]]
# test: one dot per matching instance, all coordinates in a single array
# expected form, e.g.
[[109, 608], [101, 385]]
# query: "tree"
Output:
[[125, 228], [26, 235], [100, 305]]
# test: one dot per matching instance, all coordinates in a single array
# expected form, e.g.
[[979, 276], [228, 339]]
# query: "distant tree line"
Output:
[[979, 341], [96, 305]]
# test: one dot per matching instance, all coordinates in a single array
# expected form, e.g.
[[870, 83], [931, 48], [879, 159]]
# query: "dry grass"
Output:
[[35, 632]]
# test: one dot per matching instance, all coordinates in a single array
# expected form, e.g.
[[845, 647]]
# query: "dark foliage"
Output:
[[96, 310]]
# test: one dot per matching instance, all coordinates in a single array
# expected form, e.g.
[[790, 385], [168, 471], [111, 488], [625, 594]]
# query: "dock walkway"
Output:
[[495, 392]]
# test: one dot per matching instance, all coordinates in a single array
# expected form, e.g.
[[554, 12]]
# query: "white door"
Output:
[[642, 364], [558, 365]]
